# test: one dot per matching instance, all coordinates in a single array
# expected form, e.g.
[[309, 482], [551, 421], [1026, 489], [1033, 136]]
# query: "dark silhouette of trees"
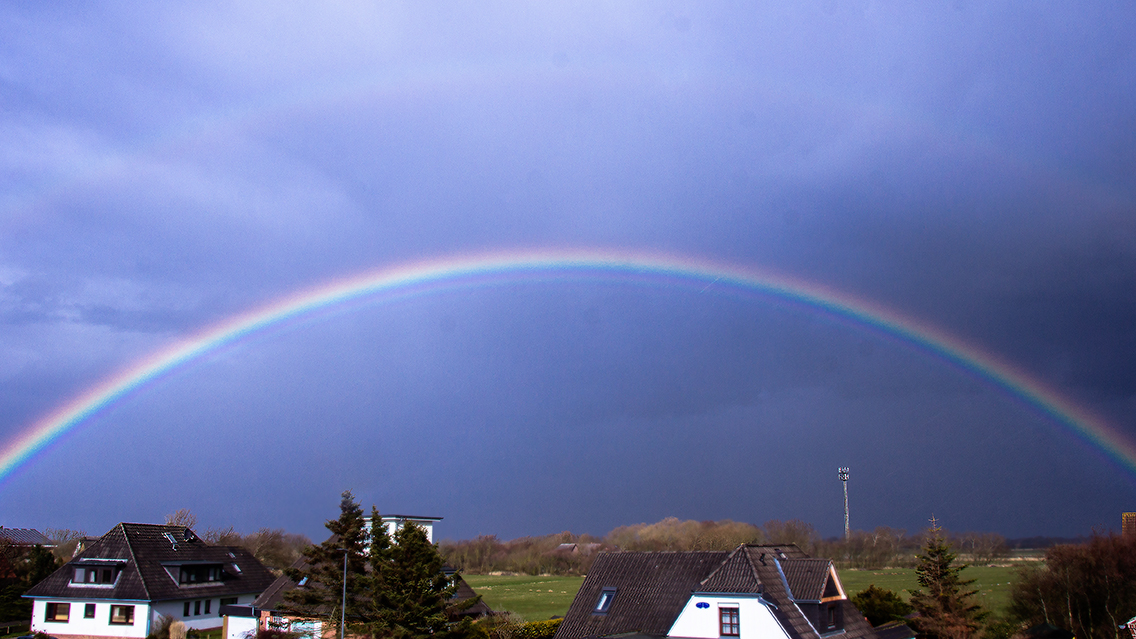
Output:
[[1088, 589], [21, 568]]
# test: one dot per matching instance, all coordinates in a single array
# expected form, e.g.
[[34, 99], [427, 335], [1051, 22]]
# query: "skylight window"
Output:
[[604, 602]]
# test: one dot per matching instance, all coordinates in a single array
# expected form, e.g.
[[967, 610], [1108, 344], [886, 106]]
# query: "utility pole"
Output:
[[343, 606], [844, 479]]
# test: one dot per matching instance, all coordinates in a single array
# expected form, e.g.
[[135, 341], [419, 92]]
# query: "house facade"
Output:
[[394, 522], [120, 585], [752, 592]]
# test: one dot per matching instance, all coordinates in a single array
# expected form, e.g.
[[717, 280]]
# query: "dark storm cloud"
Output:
[[972, 165]]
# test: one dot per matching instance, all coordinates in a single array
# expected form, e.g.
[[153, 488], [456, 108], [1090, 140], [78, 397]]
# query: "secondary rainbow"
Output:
[[476, 270]]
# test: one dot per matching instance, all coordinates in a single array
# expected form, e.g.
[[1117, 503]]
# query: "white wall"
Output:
[[100, 626], [240, 627], [755, 618], [394, 524], [175, 609]]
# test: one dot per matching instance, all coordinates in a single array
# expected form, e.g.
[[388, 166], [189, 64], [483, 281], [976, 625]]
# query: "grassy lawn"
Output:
[[992, 583], [533, 598]]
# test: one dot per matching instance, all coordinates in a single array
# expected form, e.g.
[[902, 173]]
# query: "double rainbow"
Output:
[[464, 272]]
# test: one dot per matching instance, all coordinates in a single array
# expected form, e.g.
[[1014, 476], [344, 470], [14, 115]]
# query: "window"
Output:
[[207, 602], [185, 610], [89, 611], [95, 575], [604, 602], [196, 608], [228, 601], [831, 616], [199, 574], [122, 615], [728, 624], [60, 612]]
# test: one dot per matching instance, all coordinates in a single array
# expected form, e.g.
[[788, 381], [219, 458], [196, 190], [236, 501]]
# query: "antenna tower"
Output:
[[844, 479]]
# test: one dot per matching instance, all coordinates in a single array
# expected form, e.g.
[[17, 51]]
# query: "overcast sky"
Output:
[[971, 165]]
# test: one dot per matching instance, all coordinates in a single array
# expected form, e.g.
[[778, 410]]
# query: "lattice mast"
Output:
[[844, 479]]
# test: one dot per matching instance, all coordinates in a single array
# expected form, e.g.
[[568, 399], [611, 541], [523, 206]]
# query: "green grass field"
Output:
[[992, 583], [533, 598]]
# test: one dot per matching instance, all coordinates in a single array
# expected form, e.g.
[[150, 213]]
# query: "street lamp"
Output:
[[343, 606]]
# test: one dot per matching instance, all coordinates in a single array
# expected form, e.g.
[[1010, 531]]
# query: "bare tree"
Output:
[[182, 517]]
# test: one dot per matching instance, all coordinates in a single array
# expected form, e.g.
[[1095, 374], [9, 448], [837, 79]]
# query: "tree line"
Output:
[[274, 547], [570, 554]]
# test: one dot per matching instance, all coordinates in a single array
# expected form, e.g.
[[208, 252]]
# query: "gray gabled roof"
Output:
[[143, 552], [25, 537], [807, 577]]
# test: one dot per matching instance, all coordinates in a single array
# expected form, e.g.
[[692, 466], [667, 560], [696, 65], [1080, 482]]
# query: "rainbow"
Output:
[[425, 277]]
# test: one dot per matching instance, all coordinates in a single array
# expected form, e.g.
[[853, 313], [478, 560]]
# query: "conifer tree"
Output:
[[417, 592], [396, 588], [944, 604], [321, 591]]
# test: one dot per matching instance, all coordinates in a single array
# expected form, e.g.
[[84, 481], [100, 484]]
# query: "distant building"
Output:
[[1128, 524], [394, 522], [25, 537]]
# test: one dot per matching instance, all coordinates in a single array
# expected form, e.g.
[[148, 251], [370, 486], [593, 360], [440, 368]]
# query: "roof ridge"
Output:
[[134, 560], [721, 566]]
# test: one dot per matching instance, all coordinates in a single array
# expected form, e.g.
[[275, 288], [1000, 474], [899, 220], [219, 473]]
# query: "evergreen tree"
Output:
[[411, 593], [396, 588], [29, 566], [944, 604], [321, 594], [880, 605]]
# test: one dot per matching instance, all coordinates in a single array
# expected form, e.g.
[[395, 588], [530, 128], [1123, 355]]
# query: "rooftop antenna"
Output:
[[844, 479]]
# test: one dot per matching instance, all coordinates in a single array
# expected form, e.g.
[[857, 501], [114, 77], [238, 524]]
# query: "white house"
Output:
[[395, 522], [752, 592], [121, 584]]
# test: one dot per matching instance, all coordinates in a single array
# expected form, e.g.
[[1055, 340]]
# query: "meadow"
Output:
[[532, 598], [991, 582], [535, 598]]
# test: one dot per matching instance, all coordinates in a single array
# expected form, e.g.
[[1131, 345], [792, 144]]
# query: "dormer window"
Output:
[[604, 602], [95, 575], [200, 574]]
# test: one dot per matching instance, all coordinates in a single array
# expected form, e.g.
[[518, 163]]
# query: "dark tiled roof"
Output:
[[24, 537], [855, 625], [465, 592], [736, 574], [766, 561], [652, 587], [142, 552], [806, 577], [894, 630], [274, 594]]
